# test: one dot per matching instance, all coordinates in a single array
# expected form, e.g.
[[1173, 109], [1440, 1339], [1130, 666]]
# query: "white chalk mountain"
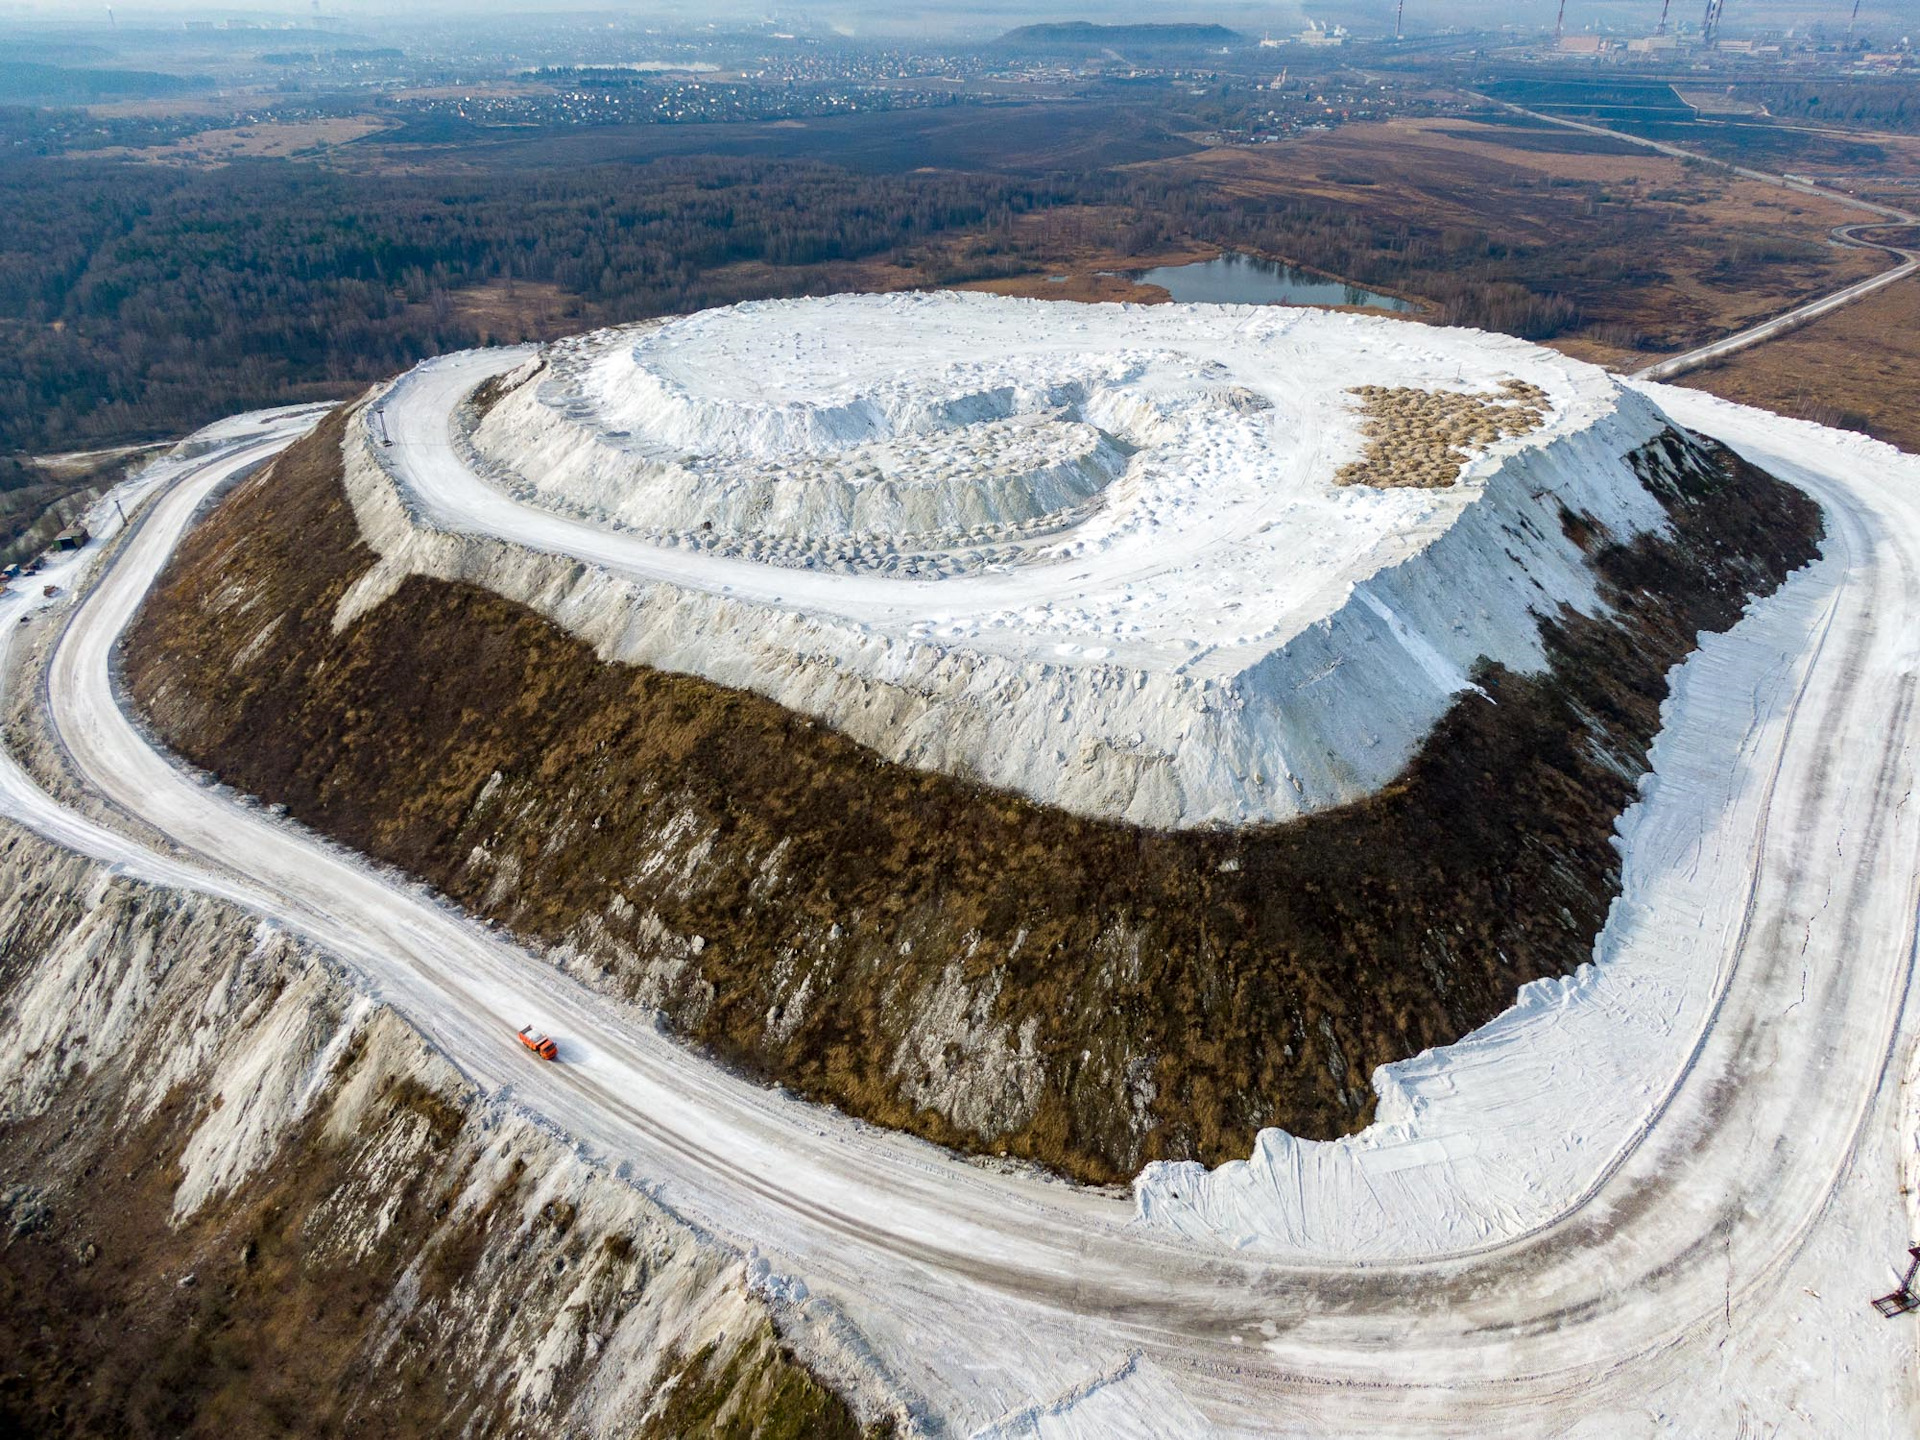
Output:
[[1096, 554]]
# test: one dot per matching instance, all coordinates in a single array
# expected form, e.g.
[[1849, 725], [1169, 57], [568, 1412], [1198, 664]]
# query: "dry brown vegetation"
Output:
[[114, 1321], [1119, 995], [291, 139], [131, 314], [506, 312], [1657, 254], [1858, 368], [1420, 438], [287, 1305]]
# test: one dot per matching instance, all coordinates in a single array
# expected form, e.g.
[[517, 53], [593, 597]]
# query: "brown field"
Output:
[[1657, 254], [1085, 282], [1618, 254], [506, 312], [1699, 253], [1858, 367], [1702, 253], [162, 107], [1087, 273], [1709, 101], [280, 140]]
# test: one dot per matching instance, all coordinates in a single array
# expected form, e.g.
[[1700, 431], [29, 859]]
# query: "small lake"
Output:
[[1235, 279]]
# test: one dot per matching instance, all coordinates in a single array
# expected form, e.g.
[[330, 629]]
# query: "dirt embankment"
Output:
[[238, 1199], [958, 962]]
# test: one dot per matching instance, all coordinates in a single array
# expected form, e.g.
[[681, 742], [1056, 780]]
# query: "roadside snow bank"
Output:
[[1221, 633]]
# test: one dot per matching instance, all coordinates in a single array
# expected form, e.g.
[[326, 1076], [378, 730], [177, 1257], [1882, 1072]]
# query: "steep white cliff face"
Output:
[[1094, 554]]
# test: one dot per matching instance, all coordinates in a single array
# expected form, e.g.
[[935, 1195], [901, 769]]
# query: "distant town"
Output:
[[579, 74]]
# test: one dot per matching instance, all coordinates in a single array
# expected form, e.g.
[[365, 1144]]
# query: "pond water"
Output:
[[1235, 279]]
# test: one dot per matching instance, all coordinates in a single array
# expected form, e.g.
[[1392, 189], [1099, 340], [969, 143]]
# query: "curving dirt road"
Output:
[[1712, 1276], [1908, 261]]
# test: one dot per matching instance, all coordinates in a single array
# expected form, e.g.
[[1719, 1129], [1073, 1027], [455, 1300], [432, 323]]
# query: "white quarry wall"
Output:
[[119, 996]]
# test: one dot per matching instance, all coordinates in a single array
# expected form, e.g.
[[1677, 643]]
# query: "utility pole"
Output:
[[1400, 10]]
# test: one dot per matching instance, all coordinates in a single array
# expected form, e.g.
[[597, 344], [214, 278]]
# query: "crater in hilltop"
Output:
[[1180, 565]]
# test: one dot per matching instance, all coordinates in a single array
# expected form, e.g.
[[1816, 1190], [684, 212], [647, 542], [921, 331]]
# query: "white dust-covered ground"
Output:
[[1496, 1135], [1094, 554]]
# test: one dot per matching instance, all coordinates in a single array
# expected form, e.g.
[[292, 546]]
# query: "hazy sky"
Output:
[[892, 16]]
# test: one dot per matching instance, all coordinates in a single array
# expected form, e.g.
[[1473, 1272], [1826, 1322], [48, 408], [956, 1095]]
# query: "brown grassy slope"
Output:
[[104, 1335], [958, 962]]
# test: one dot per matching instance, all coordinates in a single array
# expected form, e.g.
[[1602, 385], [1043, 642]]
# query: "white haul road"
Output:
[[1708, 1276]]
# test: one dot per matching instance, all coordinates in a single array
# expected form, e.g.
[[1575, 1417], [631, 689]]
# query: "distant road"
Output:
[[1799, 315], [1909, 260]]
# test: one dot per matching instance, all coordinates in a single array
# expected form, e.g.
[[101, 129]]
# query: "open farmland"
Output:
[[1858, 368]]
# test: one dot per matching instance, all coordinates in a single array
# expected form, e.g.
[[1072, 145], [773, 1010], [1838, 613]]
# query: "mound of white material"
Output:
[[1095, 554]]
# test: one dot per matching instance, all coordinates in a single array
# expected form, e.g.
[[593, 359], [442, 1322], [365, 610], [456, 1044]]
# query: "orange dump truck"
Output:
[[538, 1043]]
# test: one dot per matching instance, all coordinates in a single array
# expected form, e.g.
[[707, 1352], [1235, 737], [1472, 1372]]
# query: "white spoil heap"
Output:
[[1095, 554]]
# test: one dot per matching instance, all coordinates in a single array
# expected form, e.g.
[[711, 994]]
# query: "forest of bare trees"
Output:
[[138, 301]]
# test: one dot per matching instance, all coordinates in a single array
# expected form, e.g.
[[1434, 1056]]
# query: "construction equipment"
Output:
[[1711, 24], [540, 1044], [1661, 28], [1903, 1300], [1560, 22]]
